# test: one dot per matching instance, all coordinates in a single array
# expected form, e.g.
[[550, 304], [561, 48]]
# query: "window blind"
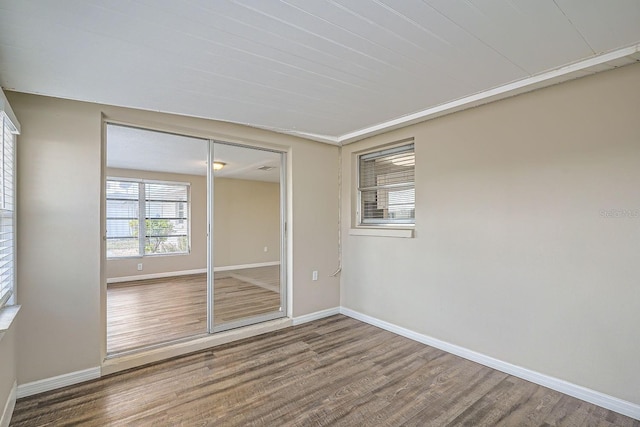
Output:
[[166, 218], [146, 218], [7, 210], [386, 186], [123, 200]]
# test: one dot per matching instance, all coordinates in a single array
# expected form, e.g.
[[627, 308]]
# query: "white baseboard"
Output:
[[315, 316], [155, 275], [5, 419], [241, 266], [60, 381], [604, 400], [187, 272]]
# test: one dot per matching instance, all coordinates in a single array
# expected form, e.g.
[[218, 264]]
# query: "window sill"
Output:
[[382, 232], [7, 316]]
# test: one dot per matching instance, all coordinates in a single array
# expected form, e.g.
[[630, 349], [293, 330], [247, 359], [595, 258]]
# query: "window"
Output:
[[146, 218], [386, 186], [7, 210]]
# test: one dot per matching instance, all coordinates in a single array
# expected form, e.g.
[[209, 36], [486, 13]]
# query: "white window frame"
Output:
[[405, 146], [7, 207], [142, 201]]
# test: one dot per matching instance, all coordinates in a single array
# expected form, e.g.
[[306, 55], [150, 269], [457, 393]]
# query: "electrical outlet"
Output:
[[140, 267], [266, 249], [314, 275]]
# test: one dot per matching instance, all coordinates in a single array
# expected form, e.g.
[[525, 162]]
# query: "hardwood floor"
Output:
[[266, 277], [153, 311], [335, 371], [236, 299]]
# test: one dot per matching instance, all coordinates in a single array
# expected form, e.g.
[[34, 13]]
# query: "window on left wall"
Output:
[[7, 210], [147, 218]]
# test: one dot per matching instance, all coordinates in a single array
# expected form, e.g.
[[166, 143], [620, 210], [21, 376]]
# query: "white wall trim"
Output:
[[7, 317], [604, 400], [241, 266], [316, 316], [381, 232], [128, 361], [5, 419], [47, 384], [560, 74], [6, 108], [597, 398], [531, 82], [187, 272], [155, 275]]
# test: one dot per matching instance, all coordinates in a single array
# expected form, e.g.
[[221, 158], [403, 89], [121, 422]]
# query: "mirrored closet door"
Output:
[[194, 237], [248, 217], [156, 237]]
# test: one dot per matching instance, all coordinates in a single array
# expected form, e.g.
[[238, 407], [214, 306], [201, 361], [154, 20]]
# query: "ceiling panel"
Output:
[[323, 67], [415, 52], [605, 24], [533, 35], [461, 53]]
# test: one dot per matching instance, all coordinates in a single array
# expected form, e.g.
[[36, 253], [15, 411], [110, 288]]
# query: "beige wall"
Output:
[[7, 365], [246, 220], [197, 258], [61, 324], [58, 247], [315, 209], [513, 254]]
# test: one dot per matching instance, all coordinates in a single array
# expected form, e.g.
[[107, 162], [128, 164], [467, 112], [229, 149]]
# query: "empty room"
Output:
[[314, 213]]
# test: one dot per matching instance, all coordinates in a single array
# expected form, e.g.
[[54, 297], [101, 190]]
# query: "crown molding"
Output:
[[592, 65]]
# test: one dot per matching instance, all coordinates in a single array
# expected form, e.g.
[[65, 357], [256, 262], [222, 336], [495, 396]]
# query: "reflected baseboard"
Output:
[[188, 272]]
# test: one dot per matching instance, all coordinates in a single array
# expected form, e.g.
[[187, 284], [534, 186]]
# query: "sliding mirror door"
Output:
[[156, 237], [194, 237], [248, 236]]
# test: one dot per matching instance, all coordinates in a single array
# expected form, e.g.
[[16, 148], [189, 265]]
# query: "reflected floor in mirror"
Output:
[[146, 312]]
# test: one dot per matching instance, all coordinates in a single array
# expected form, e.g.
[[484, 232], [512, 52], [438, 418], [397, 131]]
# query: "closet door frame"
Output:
[[282, 312]]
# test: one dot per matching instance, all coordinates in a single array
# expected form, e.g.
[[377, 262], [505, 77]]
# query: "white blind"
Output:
[[386, 186], [146, 218], [7, 210], [122, 218], [166, 218]]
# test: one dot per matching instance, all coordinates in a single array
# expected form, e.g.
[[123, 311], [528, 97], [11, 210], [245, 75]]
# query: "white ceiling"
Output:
[[140, 149], [330, 70]]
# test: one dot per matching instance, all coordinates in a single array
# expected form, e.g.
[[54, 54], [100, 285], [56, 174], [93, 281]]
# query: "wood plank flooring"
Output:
[[266, 277], [145, 312], [335, 371]]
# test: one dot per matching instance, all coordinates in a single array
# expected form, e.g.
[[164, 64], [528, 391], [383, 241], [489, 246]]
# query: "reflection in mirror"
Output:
[[156, 243], [246, 236], [158, 208]]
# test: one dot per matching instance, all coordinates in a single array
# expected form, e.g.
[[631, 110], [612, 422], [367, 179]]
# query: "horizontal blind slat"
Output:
[[386, 184], [166, 216], [7, 205]]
